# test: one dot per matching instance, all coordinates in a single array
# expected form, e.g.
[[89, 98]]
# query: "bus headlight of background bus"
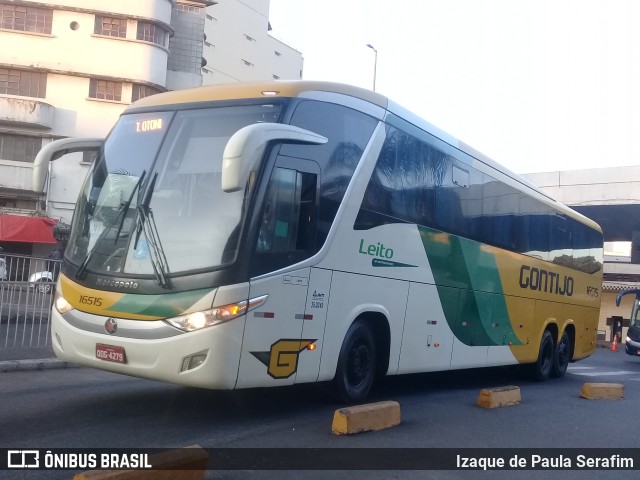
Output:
[[61, 303], [216, 315]]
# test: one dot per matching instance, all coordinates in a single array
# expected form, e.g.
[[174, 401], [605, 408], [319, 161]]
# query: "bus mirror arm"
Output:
[[245, 147], [626, 292], [53, 151]]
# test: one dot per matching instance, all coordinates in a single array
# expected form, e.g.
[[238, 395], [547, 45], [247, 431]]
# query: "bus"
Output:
[[268, 234], [632, 342]]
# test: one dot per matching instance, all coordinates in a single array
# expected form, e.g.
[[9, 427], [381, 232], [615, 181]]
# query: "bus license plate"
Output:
[[110, 353]]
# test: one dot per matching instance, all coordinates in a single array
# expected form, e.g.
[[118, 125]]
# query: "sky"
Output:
[[537, 85]]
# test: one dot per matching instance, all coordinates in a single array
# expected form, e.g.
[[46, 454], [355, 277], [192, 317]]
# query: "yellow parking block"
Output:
[[499, 397], [363, 418], [167, 465], [597, 391]]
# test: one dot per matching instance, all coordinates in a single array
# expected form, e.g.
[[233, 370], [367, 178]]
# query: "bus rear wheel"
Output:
[[356, 364], [541, 370], [562, 356]]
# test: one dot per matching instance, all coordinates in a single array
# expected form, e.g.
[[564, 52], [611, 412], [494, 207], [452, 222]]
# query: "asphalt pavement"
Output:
[[43, 358]]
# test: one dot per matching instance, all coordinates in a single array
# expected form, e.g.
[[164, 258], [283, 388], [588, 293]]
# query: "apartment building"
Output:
[[238, 46], [68, 68]]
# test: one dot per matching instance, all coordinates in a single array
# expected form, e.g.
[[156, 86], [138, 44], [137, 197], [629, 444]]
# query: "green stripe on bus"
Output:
[[487, 287], [469, 288], [164, 306]]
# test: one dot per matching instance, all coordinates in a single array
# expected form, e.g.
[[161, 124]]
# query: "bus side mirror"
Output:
[[55, 150], [244, 149]]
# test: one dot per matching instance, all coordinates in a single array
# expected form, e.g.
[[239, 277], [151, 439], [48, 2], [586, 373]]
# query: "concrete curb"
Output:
[[40, 364], [499, 397], [599, 391], [365, 418]]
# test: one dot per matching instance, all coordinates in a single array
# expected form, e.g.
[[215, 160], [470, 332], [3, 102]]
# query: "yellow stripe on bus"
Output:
[[98, 302]]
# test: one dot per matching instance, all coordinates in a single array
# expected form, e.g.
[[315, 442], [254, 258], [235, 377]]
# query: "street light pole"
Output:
[[375, 65]]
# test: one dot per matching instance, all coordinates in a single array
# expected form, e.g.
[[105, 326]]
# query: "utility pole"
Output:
[[375, 65]]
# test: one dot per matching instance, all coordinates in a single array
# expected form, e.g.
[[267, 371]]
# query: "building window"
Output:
[[149, 32], [24, 83], [247, 63], [141, 91], [19, 148], [111, 27], [181, 7], [277, 53], [276, 77], [89, 156], [26, 19], [105, 90], [250, 38]]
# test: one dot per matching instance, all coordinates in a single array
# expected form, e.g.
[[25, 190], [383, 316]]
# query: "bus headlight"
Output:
[[216, 315], [61, 303]]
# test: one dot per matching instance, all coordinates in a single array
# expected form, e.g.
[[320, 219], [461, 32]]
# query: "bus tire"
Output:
[[541, 369], [562, 356], [356, 369]]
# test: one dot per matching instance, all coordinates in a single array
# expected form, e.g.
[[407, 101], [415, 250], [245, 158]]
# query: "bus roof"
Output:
[[230, 91], [295, 88]]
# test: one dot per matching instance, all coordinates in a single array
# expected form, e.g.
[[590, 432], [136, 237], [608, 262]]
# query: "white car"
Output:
[[43, 281], [3, 269]]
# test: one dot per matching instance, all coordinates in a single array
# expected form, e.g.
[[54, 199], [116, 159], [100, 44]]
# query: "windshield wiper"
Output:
[[156, 251], [122, 210], [143, 208], [128, 204], [147, 223]]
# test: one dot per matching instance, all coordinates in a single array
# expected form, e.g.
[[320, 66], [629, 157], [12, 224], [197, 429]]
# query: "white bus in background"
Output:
[[254, 235]]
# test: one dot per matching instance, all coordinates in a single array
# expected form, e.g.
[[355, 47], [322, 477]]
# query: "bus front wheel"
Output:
[[356, 364], [541, 370]]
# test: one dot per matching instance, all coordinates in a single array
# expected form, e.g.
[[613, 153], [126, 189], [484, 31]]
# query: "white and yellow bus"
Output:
[[255, 235]]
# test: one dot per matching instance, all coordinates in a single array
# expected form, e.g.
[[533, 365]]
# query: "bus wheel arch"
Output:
[[364, 356]]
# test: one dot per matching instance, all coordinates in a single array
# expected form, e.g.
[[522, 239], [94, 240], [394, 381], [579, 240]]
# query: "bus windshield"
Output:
[[635, 314], [154, 194]]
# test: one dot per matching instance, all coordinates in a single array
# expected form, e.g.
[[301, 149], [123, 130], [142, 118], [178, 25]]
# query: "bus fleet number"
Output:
[[87, 300]]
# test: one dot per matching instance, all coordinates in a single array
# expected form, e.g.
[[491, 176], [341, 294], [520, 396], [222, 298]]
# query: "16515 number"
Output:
[[88, 300]]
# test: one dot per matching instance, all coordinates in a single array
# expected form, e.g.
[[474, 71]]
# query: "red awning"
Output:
[[18, 228]]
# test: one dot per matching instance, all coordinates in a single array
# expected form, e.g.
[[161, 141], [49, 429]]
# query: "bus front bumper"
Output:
[[632, 347], [206, 358]]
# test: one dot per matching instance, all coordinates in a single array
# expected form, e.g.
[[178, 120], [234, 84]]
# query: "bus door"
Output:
[[273, 343], [313, 326]]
